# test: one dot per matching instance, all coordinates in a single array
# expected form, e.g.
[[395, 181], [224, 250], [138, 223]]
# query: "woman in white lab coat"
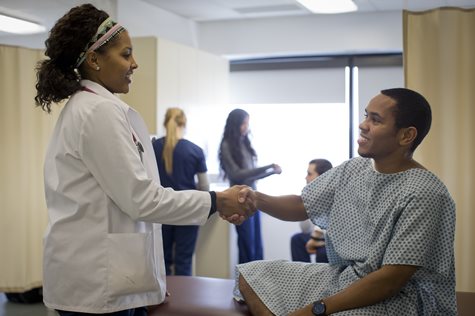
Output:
[[102, 250]]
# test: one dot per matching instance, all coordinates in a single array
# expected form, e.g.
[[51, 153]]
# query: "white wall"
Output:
[[143, 19], [320, 34], [314, 34]]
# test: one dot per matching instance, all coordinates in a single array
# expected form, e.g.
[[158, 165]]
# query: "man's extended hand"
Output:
[[236, 204]]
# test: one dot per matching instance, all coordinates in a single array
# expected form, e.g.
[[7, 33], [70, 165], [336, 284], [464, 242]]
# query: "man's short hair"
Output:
[[412, 109], [321, 165]]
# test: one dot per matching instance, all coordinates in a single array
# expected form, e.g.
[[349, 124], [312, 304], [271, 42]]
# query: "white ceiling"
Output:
[[48, 11], [208, 10]]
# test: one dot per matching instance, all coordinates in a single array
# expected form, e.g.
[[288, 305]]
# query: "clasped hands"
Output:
[[236, 204], [317, 240]]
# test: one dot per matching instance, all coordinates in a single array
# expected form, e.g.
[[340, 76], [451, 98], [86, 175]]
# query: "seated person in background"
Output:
[[390, 228], [311, 240]]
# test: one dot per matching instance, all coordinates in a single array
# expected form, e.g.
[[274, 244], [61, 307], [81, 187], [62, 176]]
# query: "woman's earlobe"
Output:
[[91, 61]]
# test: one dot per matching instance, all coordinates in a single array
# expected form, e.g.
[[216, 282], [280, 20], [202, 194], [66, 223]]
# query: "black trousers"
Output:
[[141, 311]]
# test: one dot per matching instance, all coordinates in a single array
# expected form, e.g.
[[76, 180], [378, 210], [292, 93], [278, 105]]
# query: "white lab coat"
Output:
[[101, 252]]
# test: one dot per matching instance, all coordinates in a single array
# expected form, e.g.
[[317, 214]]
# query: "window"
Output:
[[300, 109]]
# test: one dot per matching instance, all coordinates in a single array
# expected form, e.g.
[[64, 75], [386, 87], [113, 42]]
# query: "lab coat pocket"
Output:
[[131, 264]]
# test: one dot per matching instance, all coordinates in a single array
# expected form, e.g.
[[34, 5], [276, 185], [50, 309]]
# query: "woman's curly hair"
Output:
[[56, 78]]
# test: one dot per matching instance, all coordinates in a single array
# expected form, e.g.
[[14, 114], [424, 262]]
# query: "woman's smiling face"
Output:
[[116, 64]]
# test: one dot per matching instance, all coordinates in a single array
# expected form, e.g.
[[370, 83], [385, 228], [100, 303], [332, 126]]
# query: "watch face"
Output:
[[318, 308]]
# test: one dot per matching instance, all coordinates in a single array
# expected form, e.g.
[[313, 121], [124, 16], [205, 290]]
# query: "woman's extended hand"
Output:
[[236, 204]]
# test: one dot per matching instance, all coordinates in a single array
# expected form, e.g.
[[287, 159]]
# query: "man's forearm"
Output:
[[242, 200], [371, 289], [284, 207]]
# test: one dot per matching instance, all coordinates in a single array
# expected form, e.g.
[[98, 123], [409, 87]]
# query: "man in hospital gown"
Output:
[[390, 229]]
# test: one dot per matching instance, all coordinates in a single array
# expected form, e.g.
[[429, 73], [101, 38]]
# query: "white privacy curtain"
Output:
[[439, 62], [24, 133]]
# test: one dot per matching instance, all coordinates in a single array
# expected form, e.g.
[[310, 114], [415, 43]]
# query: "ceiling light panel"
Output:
[[329, 6], [19, 26]]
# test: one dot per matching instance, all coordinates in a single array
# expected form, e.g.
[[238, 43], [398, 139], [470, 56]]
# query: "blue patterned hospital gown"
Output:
[[372, 219]]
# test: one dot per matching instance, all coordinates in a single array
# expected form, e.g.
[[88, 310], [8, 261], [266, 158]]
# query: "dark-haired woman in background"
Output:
[[238, 162]]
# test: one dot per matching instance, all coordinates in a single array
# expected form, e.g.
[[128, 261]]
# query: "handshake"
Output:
[[236, 204]]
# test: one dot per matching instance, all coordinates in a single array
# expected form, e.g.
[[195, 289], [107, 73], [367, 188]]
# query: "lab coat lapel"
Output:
[[137, 124], [139, 127]]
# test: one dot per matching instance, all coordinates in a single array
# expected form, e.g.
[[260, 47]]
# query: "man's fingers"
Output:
[[235, 219]]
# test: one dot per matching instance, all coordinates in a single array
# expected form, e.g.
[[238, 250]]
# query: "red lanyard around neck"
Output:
[[87, 89]]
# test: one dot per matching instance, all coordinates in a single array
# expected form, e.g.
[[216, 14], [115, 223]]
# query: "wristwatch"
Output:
[[319, 308]]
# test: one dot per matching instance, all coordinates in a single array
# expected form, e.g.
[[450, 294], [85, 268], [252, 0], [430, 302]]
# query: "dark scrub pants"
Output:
[[249, 239]]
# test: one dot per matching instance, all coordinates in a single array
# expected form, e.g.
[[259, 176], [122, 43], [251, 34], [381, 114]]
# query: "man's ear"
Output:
[[407, 135]]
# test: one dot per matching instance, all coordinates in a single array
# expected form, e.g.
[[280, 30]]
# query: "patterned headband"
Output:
[[105, 32]]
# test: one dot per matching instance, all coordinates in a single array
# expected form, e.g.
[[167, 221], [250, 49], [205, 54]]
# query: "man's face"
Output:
[[379, 137], [311, 172]]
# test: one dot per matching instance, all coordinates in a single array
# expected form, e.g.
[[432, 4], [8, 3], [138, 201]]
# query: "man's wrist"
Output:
[[319, 308], [257, 197]]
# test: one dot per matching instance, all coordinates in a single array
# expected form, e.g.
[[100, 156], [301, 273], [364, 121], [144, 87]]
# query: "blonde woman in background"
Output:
[[179, 161]]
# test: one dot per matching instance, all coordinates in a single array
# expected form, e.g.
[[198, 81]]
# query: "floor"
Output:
[[15, 309]]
